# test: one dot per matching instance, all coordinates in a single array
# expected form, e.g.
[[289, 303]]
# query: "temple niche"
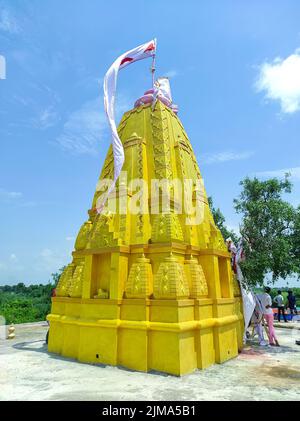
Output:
[[146, 290]]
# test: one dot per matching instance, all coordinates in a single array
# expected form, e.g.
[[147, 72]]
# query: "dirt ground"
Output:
[[29, 372]]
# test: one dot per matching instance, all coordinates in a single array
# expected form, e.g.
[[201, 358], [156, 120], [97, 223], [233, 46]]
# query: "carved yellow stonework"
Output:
[[146, 289], [65, 281], [166, 227], [71, 280], [170, 280], [196, 278], [75, 289], [235, 285], [140, 279], [83, 236]]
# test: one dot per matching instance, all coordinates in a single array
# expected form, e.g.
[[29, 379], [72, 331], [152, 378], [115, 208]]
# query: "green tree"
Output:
[[219, 219], [267, 229], [20, 303], [19, 310], [56, 276]]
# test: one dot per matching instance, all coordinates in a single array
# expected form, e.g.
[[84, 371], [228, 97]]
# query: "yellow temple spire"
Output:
[[147, 288]]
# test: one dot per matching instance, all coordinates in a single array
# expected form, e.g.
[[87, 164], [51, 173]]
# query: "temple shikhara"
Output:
[[146, 290]]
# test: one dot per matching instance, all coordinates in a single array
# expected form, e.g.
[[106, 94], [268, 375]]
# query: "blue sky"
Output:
[[234, 68]]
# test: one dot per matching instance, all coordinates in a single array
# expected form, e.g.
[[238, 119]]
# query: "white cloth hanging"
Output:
[[109, 86]]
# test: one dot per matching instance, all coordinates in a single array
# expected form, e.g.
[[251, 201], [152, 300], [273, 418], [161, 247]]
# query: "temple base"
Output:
[[170, 336]]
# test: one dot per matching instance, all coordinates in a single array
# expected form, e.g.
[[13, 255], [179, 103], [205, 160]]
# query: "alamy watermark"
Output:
[[159, 196], [2, 67]]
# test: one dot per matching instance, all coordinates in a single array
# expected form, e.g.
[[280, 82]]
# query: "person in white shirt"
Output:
[[256, 319], [279, 300], [266, 302]]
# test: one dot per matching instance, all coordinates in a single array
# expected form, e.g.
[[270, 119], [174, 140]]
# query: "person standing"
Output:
[[256, 319], [279, 300], [233, 251], [291, 304], [266, 303]]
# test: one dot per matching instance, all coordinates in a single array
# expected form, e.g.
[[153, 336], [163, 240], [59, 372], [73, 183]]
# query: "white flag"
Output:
[[162, 88], [109, 86], [248, 297]]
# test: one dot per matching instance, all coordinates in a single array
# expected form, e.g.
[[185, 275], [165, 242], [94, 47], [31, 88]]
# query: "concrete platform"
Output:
[[288, 325], [29, 372]]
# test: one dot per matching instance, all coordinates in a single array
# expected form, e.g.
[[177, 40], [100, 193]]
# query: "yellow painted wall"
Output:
[[149, 292]]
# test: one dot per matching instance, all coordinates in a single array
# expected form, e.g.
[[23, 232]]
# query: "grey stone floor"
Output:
[[29, 372]]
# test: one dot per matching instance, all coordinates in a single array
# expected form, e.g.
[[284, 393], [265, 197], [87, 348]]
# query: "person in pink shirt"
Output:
[[266, 302]]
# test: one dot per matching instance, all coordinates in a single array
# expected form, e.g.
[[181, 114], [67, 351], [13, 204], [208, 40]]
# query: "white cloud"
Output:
[[31, 204], [70, 238], [8, 22], [46, 253], [7, 196], [50, 260], [85, 128], [15, 198], [213, 158], [2, 67], [171, 73], [280, 80], [11, 265], [295, 173], [47, 118]]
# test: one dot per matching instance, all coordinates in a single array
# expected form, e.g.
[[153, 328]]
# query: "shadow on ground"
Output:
[[29, 346]]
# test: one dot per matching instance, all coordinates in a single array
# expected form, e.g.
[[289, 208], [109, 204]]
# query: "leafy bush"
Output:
[[21, 304]]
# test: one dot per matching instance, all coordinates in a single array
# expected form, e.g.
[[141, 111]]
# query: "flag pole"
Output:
[[153, 65], [153, 70]]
